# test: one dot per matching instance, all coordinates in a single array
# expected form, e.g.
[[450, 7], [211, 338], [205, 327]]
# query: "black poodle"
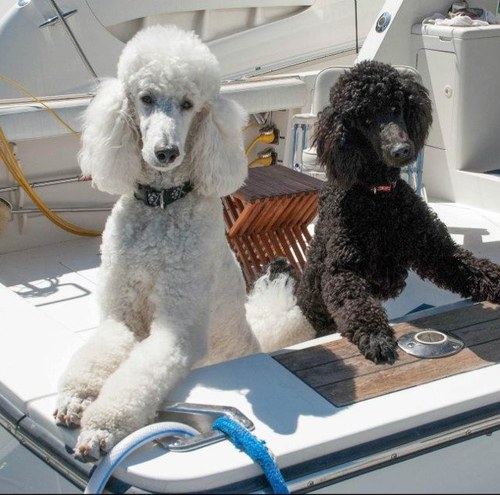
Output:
[[372, 227]]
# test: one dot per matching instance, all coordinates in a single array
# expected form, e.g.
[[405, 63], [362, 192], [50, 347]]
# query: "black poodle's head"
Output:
[[378, 119]]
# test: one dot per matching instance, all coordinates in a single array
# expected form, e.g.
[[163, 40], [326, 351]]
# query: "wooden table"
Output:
[[269, 217]]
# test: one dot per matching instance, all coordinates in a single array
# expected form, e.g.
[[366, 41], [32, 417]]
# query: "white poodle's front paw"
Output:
[[93, 444], [70, 409]]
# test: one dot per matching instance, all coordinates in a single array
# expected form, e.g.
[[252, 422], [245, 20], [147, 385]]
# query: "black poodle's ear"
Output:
[[338, 149], [417, 110]]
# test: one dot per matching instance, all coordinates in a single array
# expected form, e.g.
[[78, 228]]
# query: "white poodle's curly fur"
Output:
[[171, 293]]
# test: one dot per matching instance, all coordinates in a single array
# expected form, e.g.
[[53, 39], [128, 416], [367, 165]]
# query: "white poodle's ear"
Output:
[[218, 149], [110, 151]]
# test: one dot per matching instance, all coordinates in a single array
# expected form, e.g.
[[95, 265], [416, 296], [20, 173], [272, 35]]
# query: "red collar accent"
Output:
[[383, 187]]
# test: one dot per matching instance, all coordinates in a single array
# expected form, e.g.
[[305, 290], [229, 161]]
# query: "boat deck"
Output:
[[58, 279], [49, 309]]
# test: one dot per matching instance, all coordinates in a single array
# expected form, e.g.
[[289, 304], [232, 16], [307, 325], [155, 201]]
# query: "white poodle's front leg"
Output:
[[89, 367], [131, 397]]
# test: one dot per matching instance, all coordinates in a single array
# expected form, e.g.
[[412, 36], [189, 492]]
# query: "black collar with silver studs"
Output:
[[163, 197]]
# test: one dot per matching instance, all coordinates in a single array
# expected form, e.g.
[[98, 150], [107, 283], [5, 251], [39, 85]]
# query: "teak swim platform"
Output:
[[343, 376]]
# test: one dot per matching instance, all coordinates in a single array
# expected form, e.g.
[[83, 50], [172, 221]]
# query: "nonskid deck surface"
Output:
[[58, 279]]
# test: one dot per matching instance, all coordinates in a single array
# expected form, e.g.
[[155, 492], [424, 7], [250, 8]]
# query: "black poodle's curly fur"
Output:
[[372, 227]]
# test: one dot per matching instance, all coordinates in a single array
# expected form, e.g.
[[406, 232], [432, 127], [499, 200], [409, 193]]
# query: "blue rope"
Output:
[[256, 449]]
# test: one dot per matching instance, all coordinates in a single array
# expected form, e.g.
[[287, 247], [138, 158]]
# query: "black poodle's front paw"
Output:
[[379, 347]]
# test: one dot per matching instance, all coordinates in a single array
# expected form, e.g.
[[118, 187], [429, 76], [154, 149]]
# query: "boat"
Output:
[[334, 422]]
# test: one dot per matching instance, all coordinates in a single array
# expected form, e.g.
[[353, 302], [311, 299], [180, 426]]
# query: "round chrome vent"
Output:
[[430, 343]]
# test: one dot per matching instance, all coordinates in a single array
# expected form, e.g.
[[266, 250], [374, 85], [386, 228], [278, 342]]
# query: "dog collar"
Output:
[[383, 187], [162, 198]]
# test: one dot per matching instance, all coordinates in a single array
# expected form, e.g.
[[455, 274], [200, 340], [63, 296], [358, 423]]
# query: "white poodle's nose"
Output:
[[167, 154]]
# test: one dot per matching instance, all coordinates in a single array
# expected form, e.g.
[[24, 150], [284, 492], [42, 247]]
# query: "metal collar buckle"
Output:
[[383, 188]]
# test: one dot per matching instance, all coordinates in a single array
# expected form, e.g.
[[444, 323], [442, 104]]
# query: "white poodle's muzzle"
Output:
[[164, 130]]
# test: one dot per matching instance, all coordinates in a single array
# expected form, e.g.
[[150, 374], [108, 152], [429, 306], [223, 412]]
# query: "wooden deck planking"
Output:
[[343, 376]]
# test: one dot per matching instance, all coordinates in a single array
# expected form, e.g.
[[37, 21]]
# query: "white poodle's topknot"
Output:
[[173, 55]]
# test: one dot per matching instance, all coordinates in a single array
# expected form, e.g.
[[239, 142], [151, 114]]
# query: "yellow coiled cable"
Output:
[[14, 168], [10, 161]]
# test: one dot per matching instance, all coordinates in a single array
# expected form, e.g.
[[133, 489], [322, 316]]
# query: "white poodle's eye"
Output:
[[147, 99], [186, 104]]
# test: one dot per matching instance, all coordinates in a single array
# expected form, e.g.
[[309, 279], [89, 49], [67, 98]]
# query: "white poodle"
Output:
[[171, 293]]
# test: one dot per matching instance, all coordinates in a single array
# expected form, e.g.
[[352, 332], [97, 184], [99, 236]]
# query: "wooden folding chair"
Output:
[[269, 216]]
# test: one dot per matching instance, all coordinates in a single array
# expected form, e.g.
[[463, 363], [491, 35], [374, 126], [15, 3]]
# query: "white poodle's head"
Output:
[[164, 117]]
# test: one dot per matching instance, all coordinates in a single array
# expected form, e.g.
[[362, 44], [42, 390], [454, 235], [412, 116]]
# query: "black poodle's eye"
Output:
[[147, 99], [186, 104]]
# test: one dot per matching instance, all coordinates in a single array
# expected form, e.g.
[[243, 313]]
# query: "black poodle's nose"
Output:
[[401, 151], [167, 154]]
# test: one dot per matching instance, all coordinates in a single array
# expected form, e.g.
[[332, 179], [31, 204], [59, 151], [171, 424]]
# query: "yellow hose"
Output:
[[21, 88], [266, 136], [261, 161], [10, 161], [7, 156]]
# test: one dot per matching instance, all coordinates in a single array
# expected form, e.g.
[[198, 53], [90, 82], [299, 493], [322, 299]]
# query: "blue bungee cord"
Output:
[[240, 437]]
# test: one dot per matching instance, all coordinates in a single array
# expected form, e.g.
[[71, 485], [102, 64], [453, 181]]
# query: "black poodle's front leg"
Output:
[[456, 269], [359, 316]]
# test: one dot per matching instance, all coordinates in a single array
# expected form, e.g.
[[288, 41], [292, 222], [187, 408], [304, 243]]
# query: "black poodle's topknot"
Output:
[[370, 86]]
